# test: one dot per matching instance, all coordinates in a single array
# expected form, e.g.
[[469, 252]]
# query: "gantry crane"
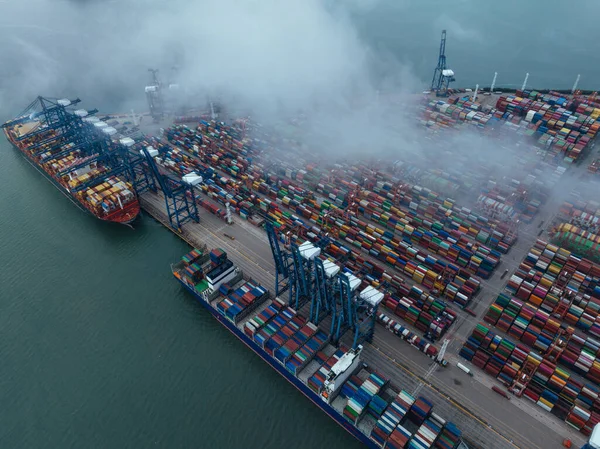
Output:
[[353, 202], [52, 114], [180, 199], [281, 257], [341, 315], [566, 295], [325, 276], [442, 75], [139, 171], [303, 257], [552, 355]]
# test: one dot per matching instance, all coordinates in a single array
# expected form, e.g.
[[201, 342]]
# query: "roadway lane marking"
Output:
[[530, 445]]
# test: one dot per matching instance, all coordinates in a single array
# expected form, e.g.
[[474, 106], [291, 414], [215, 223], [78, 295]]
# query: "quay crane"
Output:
[[442, 75]]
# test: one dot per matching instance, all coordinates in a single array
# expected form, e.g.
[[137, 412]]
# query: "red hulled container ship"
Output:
[[73, 149]]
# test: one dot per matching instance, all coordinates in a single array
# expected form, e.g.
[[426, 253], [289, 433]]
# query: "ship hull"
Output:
[[129, 214], [274, 363]]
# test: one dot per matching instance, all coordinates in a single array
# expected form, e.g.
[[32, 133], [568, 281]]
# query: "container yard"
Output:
[[354, 222], [550, 306], [406, 300]]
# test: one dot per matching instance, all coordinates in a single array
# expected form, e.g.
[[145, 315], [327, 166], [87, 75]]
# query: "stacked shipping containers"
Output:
[[358, 403], [242, 301], [551, 388], [317, 380]]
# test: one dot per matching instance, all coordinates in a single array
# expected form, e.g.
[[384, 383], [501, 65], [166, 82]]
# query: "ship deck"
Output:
[[389, 392], [486, 419], [24, 128]]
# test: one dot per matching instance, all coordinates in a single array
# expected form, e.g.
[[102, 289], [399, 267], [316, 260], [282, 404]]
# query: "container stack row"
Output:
[[259, 321], [423, 311], [317, 380], [239, 303], [429, 234], [585, 214], [427, 433], [445, 115], [551, 388], [283, 334], [192, 257], [309, 351], [294, 342], [391, 419], [274, 325], [350, 387], [552, 121], [553, 278], [358, 403], [425, 270], [449, 438], [458, 221], [539, 330], [429, 273], [419, 411], [109, 195]]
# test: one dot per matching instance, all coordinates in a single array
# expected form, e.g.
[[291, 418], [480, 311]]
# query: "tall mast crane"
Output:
[[442, 75], [154, 96]]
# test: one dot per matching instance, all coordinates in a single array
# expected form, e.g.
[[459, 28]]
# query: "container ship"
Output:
[[73, 149], [334, 378]]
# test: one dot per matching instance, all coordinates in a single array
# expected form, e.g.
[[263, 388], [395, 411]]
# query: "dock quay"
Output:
[[468, 402]]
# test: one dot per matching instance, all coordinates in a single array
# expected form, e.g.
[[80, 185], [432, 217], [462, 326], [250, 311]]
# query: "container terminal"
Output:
[[411, 317]]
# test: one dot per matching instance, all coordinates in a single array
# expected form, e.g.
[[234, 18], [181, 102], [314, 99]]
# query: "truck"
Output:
[[594, 441]]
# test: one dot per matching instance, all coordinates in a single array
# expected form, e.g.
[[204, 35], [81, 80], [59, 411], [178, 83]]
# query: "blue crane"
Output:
[[180, 208], [52, 115], [353, 310], [326, 273], [82, 141], [86, 160], [72, 132], [363, 312], [54, 111], [303, 257], [139, 171], [56, 141], [281, 258], [442, 75]]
